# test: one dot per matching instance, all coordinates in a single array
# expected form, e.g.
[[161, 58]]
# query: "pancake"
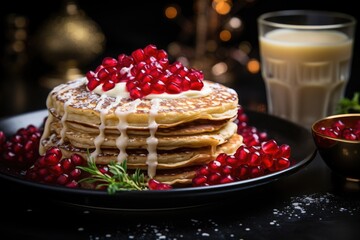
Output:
[[167, 135], [85, 106], [86, 140]]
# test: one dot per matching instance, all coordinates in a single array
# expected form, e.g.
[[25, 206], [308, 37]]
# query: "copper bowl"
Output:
[[340, 155]]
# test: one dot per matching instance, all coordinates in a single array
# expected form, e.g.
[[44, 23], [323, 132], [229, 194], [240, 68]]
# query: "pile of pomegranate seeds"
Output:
[[146, 71], [258, 156], [339, 130], [252, 136], [246, 163], [53, 169], [22, 149]]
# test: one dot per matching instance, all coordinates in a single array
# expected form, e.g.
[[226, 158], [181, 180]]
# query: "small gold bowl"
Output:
[[340, 155]]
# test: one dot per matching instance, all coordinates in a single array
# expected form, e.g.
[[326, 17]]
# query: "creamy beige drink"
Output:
[[306, 60], [305, 72]]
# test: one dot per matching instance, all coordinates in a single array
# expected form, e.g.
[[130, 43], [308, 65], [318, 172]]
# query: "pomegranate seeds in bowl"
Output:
[[337, 138]]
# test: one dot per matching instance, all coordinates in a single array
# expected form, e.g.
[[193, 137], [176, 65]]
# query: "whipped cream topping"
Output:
[[120, 91]]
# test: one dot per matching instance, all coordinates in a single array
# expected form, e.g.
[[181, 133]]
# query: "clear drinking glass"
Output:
[[306, 61]]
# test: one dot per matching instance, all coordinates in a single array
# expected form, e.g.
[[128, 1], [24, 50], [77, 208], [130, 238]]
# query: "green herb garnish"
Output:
[[347, 105], [119, 179]]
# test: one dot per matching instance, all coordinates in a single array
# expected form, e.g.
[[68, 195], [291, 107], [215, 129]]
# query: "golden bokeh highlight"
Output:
[[225, 35], [222, 7], [171, 12], [253, 66]]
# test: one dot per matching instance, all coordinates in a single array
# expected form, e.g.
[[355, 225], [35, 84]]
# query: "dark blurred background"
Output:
[[44, 43]]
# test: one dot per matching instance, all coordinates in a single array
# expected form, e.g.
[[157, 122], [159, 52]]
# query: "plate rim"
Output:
[[194, 191]]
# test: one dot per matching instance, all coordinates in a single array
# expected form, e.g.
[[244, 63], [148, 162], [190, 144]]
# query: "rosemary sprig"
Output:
[[347, 105], [119, 179]]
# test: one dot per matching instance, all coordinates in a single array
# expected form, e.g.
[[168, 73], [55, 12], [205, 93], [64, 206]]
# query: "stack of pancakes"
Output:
[[169, 138]]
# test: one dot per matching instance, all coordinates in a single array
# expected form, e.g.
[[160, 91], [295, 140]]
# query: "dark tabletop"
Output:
[[309, 204], [313, 203]]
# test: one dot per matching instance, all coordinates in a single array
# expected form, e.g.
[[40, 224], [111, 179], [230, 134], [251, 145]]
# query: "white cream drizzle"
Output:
[[120, 91], [122, 140], [152, 140], [101, 137], [46, 133], [58, 89]]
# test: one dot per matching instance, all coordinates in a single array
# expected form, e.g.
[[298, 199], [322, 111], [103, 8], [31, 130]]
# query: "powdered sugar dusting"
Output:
[[276, 218], [312, 206]]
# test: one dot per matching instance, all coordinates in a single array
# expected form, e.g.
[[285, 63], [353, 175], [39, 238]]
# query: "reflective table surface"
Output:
[[313, 203]]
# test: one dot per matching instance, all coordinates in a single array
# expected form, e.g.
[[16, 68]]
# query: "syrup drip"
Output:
[[152, 141], [59, 89], [122, 140], [101, 137]]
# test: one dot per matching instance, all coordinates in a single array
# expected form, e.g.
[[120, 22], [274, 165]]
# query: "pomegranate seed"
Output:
[[108, 85], [56, 151], [227, 179], [242, 172], [138, 55], [338, 124], [196, 85], [270, 147], [104, 169], [282, 163], [284, 151], [72, 184], [93, 83], [150, 50], [204, 170], [173, 88], [232, 160], [2, 138], [136, 93], [267, 160], [90, 75], [63, 179], [109, 62], [214, 178], [222, 158], [214, 166], [227, 170], [56, 169], [77, 159], [255, 159], [161, 54], [256, 171], [159, 87], [242, 154], [75, 173], [103, 74], [199, 180], [66, 164], [51, 159]]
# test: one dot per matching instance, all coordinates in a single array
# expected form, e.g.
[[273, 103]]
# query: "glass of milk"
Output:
[[305, 62]]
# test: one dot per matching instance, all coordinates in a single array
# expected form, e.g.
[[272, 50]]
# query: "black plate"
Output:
[[299, 139]]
